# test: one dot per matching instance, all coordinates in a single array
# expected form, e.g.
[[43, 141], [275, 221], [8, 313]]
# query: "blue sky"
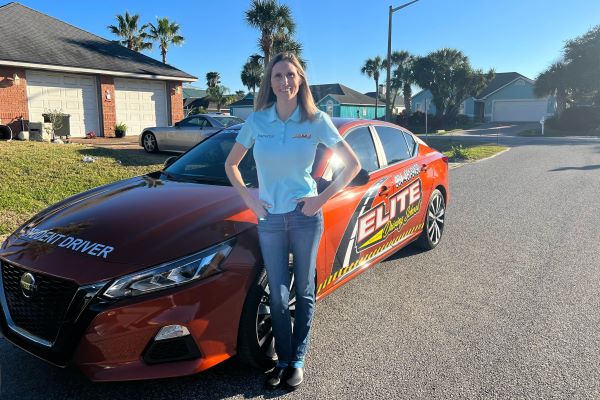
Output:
[[338, 35]]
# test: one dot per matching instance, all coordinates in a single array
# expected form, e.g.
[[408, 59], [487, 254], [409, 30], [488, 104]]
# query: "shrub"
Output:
[[582, 119], [459, 153], [120, 129]]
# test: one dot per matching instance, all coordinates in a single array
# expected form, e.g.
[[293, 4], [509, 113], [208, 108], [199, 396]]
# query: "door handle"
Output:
[[383, 191], [424, 168]]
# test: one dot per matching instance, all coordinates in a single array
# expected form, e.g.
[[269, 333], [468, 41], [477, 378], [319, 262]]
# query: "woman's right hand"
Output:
[[259, 207]]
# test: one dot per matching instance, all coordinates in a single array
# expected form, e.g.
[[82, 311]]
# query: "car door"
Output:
[[410, 182], [342, 214], [181, 134], [202, 131]]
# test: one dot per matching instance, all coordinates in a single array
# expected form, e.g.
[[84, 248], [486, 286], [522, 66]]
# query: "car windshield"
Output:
[[228, 121], [205, 163]]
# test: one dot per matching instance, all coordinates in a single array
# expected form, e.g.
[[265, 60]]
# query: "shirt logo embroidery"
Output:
[[302, 136], [266, 136]]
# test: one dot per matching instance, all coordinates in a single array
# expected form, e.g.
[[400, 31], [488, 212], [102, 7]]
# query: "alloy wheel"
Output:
[[435, 218]]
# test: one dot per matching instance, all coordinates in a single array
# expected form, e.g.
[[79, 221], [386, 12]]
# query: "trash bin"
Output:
[[65, 128], [5, 132]]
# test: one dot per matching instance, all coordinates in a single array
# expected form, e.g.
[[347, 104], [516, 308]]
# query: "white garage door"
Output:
[[71, 94], [519, 110], [140, 104]]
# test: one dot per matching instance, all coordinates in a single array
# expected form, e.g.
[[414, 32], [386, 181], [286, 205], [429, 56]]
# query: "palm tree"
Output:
[[166, 33], [252, 72], [213, 79], [270, 18], [400, 61], [218, 94], [371, 68], [555, 81], [134, 38]]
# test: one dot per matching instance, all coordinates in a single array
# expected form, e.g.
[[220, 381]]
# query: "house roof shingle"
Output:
[[29, 36], [342, 94], [500, 79]]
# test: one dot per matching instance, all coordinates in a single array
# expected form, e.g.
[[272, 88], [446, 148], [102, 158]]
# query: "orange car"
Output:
[[161, 275]]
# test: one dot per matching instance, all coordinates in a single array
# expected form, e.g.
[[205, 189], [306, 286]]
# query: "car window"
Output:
[[192, 121], [203, 122], [362, 143], [394, 144], [412, 144], [228, 121], [207, 161]]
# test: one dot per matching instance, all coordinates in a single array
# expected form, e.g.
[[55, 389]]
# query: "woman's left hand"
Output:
[[311, 205]]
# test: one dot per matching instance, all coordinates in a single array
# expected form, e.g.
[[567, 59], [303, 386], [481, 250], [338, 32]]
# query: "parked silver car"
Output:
[[186, 133]]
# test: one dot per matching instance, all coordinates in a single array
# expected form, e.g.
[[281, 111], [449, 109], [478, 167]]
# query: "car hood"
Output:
[[127, 226]]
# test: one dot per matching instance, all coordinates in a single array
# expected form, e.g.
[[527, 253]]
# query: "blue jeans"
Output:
[[280, 234]]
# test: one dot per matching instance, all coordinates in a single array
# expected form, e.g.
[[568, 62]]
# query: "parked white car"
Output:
[[186, 133]]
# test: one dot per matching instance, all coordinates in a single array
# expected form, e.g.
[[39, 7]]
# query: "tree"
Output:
[[165, 33], [401, 62], [239, 94], [252, 72], [582, 55], [371, 68], [134, 37], [447, 74], [555, 81], [213, 79], [271, 19], [219, 95]]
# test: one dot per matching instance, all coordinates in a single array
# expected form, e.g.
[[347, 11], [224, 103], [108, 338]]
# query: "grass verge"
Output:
[[464, 150], [36, 175]]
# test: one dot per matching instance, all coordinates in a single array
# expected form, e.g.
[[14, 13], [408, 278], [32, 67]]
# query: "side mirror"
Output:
[[362, 178], [170, 161]]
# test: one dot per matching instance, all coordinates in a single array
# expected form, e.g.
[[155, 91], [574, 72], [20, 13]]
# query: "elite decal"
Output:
[[69, 242], [364, 259], [375, 229], [376, 224]]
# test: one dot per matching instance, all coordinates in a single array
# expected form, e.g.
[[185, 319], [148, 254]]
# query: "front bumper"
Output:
[[107, 340]]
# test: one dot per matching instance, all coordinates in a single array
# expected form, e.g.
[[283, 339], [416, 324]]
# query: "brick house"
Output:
[[47, 64]]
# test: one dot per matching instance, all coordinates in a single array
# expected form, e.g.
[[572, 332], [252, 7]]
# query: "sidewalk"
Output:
[[126, 142]]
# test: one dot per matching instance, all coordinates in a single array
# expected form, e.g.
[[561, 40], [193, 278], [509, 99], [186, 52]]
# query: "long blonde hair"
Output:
[[266, 97]]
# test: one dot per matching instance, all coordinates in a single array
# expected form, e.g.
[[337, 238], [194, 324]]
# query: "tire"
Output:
[[256, 344], [434, 222], [149, 142]]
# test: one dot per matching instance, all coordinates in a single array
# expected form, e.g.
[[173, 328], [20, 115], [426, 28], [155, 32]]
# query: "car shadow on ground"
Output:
[[584, 168], [136, 157], [20, 370], [408, 251]]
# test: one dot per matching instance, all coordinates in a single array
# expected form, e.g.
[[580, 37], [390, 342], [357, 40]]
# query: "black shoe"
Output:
[[274, 378], [295, 378]]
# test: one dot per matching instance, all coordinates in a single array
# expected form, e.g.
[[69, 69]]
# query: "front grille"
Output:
[[44, 312]]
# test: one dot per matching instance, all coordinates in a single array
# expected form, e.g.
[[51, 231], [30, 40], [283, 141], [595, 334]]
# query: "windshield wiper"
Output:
[[207, 179]]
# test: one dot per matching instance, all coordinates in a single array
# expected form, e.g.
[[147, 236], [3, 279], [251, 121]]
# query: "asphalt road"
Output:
[[507, 306]]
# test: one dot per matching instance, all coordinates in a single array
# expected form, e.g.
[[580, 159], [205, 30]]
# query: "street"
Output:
[[507, 305]]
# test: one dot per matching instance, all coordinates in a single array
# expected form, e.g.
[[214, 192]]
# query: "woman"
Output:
[[285, 130]]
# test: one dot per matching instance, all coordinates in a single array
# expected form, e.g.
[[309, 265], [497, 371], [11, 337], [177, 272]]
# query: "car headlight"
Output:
[[175, 273]]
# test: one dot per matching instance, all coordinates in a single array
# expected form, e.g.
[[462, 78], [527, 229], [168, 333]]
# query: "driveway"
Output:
[[127, 142], [496, 128]]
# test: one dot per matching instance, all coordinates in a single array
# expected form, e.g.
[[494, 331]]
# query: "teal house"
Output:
[[335, 99], [509, 97], [338, 100]]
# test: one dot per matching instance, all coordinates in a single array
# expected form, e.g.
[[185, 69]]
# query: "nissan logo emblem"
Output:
[[28, 286]]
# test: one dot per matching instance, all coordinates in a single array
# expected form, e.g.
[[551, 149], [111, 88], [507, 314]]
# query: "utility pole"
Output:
[[388, 109]]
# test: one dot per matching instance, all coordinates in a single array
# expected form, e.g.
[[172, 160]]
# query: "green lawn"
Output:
[[463, 150], [35, 175]]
